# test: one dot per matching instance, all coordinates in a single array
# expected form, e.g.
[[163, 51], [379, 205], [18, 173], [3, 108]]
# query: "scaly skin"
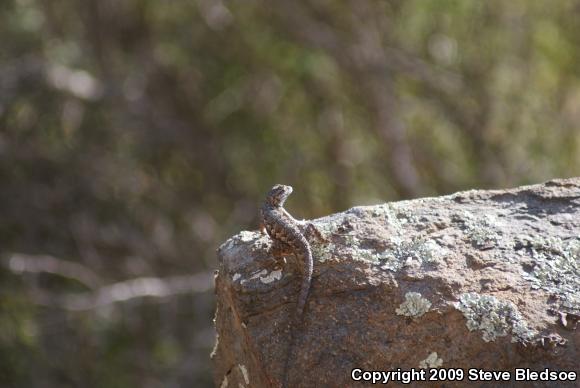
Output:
[[286, 231]]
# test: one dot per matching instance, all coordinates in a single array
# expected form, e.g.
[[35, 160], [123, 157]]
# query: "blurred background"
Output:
[[136, 136]]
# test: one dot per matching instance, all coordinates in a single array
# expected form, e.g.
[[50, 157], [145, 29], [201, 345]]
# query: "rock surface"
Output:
[[478, 279]]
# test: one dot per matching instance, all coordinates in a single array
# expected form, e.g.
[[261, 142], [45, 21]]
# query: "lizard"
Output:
[[288, 232]]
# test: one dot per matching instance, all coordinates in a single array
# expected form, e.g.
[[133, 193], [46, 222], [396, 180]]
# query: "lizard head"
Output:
[[278, 195]]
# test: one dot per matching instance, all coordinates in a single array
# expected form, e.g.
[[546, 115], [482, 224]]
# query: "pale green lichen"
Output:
[[264, 276], [424, 251], [431, 252], [396, 214], [323, 252], [421, 250], [351, 247], [388, 212], [271, 277], [432, 361], [481, 231], [407, 217], [383, 210], [367, 255], [351, 240], [354, 248], [329, 225], [556, 267], [244, 236], [494, 317], [247, 236], [414, 305]]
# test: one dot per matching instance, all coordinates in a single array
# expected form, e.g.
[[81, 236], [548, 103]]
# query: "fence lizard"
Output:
[[289, 234]]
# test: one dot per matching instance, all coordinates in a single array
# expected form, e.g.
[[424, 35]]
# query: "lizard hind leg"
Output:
[[313, 233], [278, 252], [280, 249]]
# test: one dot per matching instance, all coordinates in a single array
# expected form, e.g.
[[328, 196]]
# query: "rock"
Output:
[[486, 281]]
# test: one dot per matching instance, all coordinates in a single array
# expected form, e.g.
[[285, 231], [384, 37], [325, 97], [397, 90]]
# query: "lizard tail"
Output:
[[305, 286], [289, 357], [297, 321]]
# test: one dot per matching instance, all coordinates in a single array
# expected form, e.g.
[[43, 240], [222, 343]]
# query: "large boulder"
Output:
[[485, 281]]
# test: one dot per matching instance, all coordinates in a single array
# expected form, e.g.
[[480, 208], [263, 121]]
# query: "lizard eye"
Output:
[[279, 193]]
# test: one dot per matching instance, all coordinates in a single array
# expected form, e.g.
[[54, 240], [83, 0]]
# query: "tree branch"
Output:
[[129, 290], [19, 263]]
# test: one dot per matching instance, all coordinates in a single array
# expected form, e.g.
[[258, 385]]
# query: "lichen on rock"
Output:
[[414, 305], [494, 317], [556, 266], [379, 271], [432, 361]]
